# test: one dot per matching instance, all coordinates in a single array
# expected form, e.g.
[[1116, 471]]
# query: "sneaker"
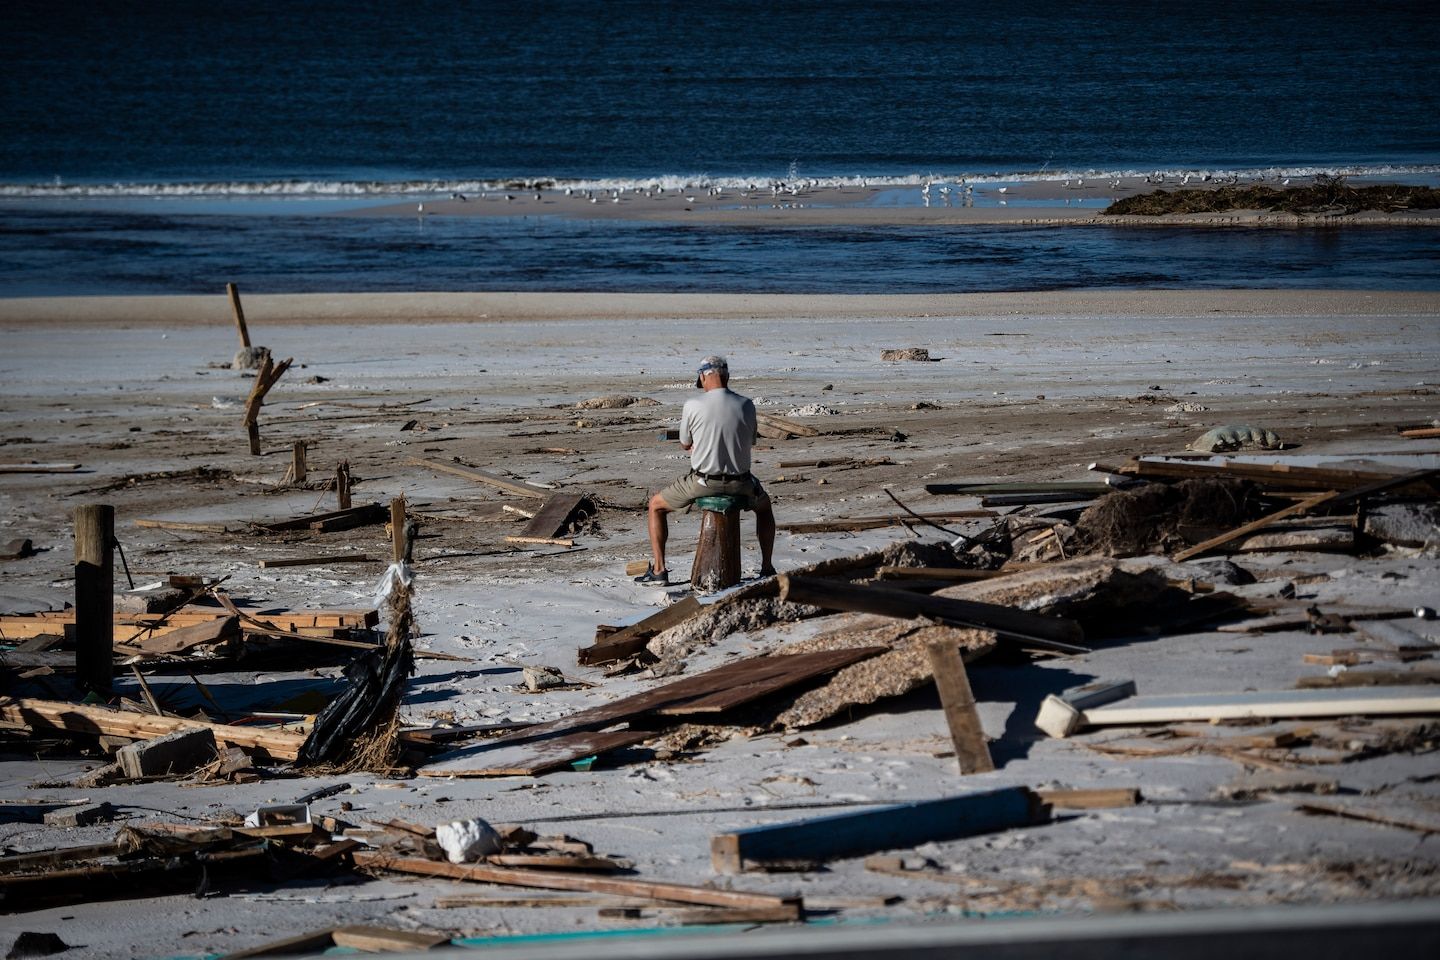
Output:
[[767, 571], [650, 576]]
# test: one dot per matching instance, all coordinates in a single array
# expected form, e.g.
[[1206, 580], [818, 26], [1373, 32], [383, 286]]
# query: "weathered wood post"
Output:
[[397, 529], [234, 294], [342, 485], [297, 462], [94, 596]]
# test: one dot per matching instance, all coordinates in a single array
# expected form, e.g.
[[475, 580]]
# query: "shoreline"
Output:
[[501, 307]]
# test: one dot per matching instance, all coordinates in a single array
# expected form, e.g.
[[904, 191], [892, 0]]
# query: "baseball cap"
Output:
[[711, 363]]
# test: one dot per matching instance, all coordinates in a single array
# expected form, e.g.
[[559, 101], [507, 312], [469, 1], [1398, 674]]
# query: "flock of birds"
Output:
[[948, 193]]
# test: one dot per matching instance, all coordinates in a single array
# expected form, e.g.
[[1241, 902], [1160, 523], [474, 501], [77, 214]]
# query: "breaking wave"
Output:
[[302, 188]]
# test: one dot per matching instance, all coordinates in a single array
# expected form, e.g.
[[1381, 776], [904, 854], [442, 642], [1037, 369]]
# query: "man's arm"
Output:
[[687, 440]]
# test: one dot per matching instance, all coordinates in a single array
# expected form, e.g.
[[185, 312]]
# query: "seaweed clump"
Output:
[[1327, 195]]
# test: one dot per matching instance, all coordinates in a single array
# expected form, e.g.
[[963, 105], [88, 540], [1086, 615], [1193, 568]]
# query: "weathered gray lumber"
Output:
[[1037, 629], [1266, 704], [178, 752], [517, 487], [885, 828]]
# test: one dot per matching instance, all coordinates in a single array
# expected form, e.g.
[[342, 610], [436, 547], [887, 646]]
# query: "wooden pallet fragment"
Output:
[[855, 834], [630, 640], [77, 718]]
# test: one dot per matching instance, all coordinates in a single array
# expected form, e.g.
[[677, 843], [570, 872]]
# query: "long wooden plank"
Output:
[[518, 487], [728, 699], [1422, 433], [1038, 629], [315, 561], [39, 467], [893, 827], [586, 883], [632, 639], [753, 670], [1266, 474], [55, 715], [971, 749], [1423, 821], [188, 526], [533, 759], [304, 522], [1082, 487], [875, 523], [1308, 504], [1265, 704], [775, 427]]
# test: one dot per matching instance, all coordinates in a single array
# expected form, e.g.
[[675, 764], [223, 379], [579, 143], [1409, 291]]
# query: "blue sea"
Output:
[[169, 146]]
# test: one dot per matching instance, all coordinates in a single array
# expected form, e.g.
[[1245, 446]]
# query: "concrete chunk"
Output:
[[178, 752]]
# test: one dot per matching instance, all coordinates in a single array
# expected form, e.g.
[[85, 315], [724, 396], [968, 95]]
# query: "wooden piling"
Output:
[[94, 595], [342, 485], [234, 293], [297, 462]]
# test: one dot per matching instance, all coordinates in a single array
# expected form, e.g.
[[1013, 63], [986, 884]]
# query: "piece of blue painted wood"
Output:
[[892, 827]]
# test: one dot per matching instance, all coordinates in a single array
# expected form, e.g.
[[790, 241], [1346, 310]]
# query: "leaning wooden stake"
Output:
[[94, 595], [234, 293], [959, 703]]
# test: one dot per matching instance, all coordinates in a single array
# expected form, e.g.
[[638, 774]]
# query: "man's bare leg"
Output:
[[660, 532], [765, 533]]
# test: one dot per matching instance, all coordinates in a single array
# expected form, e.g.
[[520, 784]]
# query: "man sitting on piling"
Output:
[[718, 428]]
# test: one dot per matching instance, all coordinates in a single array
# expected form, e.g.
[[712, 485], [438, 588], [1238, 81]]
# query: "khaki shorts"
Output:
[[689, 488]]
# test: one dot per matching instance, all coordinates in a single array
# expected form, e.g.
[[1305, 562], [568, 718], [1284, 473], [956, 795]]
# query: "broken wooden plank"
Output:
[[1309, 503], [585, 883], [1083, 488], [632, 639], [39, 467], [1095, 799], [308, 943], [1286, 476], [1264, 704], [781, 428], [854, 834], [54, 715], [971, 749], [1423, 821], [751, 678], [217, 631], [316, 561], [188, 526], [874, 523], [542, 541], [731, 697], [555, 753], [1421, 433], [1055, 633], [1370, 678], [954, 574], [372, 939], [517, 487], [556, 515]]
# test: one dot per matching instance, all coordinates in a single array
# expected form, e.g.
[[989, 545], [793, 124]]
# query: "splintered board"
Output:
[[721, 688], [553, 517]]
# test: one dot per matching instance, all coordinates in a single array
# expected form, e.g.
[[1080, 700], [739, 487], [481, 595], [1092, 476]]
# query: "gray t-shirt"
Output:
[[719, 428]]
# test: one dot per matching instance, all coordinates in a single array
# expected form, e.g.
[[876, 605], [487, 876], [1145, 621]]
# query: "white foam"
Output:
[[671, 183]]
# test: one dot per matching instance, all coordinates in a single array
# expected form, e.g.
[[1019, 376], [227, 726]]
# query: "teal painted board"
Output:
[[899, 826]]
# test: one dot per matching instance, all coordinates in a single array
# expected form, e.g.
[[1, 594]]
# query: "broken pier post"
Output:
[[297, 462], [717, 555], [94, 595], [342, 485]]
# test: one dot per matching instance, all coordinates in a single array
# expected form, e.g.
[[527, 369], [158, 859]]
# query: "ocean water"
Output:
[[195, 117]]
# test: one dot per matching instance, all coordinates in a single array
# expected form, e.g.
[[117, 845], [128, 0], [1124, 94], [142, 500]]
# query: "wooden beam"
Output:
[[39, 467], [55, 715], [1096, 799], [586, 883], [233, 292], [632, 639], [1308, 504], [542, 541], [875, 523], [955, 574], [385, 939], [316, 561], [958, 702], [94, 596], [893, 827], [1422, 433], [1266, 704], [189, 526], [1082, 488], [517, 487], [342, 485], [1037, 629], [297, 462]]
